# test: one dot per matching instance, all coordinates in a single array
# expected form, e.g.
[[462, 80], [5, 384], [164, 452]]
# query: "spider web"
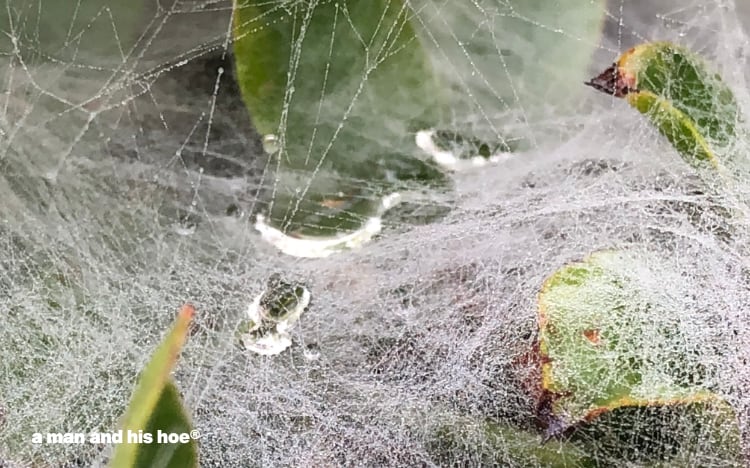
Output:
[[131, 178]]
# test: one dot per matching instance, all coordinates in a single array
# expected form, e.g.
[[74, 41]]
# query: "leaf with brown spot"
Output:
[[634, 368], [592, 335]]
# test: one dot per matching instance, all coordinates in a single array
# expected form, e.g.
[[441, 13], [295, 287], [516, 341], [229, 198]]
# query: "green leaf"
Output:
[[490, 443], [169, 417], [697, 433], [338, 88], [608, 344], [689, 104], [511, 61], [358, 53], [343, 200], [155, 404]]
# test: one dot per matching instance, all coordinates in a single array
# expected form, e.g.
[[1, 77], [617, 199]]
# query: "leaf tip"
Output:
[[187, 312], [613, 81]]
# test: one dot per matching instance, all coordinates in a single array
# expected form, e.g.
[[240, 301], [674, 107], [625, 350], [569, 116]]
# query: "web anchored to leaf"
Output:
[[437, 163]]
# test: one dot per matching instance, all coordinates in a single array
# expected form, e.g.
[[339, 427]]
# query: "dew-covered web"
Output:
[[131, 181]]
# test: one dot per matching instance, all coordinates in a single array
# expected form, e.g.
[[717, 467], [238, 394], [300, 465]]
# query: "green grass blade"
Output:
[[169, 417], [153, 390]]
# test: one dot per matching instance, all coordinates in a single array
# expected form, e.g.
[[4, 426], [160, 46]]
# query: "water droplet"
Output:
[[270, 144], [311, 354], [232, 210], [184, 229]]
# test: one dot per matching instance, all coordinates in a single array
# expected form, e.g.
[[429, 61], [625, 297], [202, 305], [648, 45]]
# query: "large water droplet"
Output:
[[271, 315], [270, 144]]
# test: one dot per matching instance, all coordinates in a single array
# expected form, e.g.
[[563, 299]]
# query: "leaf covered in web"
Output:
[[339, 87], [608, 344]]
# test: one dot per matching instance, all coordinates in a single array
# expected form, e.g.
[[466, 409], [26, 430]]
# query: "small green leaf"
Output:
[[674, 88], [608, 344], [155, 404]]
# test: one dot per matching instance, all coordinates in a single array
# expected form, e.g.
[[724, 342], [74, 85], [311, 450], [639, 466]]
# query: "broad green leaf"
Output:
[[156, 404], [343, 200], [689, 104], [511, 61], [327, 57], [607, 345], [338, 89]]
